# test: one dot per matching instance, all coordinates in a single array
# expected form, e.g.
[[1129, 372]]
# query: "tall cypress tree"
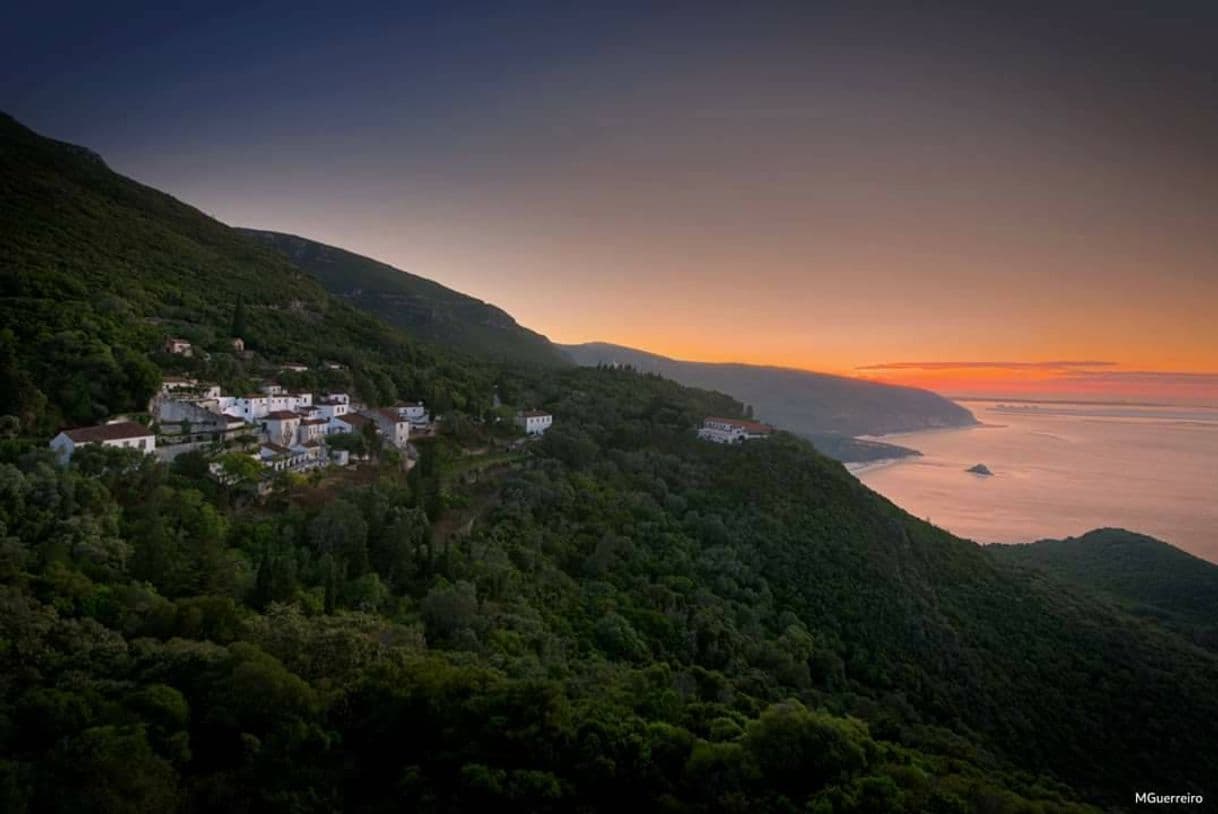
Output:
[[264, 587], [238, 328]]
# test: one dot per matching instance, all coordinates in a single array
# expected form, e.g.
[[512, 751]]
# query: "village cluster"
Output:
[[287, 431], [290, 429], [282, 429]]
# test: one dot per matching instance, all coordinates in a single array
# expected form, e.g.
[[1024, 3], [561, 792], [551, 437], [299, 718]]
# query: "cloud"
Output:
[[1056, 365], [1158, 377], [1064, 375]]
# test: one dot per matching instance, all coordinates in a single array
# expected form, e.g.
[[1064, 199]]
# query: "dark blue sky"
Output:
[[614, 171]]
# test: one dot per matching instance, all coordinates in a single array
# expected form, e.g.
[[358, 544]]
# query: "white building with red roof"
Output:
[[534, 422], [122, 434], [732, 430], [282, 427], [394, 426]]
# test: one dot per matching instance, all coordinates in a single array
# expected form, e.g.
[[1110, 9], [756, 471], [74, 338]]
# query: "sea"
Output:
[[1060, 469]]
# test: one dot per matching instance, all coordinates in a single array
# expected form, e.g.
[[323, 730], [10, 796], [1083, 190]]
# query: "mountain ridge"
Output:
[[98, 269], [1147, 576], [828, 409], [426, 309]]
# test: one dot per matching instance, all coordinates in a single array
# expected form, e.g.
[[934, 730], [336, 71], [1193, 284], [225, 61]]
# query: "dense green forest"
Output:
[[1145, 576], [616, 616], [631, 618]]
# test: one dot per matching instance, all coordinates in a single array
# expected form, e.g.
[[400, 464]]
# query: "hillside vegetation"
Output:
[[826, 409], [97, 270], [615, 617], [801, 401], [424, 308], [1146, 576]]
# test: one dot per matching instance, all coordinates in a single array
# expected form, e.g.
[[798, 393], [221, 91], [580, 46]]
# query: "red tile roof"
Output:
[[108, 432], [392, 414], [354, 419], [750, 426], [281, 415]]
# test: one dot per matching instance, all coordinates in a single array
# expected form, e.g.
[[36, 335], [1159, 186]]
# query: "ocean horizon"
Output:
[[1063, 468]]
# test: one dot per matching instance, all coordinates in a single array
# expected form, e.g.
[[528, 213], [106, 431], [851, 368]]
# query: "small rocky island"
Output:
[[979, 469]]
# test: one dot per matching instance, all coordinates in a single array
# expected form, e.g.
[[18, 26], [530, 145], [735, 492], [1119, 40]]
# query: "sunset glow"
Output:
[[808, 187]]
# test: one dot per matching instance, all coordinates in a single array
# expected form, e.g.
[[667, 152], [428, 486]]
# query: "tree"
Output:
[[355, 443], [241, 468], [238, 328], [449, 609], [799, 751], [108, 769], [340, 531], [372, 439], [264, 584], [395, 553]]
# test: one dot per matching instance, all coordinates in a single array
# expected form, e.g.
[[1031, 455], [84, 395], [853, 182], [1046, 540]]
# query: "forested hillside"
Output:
[[632, 617], [424, 308], [813, 405], [617, 616], [97, 270], [1147, 576]]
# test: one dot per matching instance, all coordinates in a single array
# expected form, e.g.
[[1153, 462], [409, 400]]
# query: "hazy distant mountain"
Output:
[[424, 308], [1147, 576], [806, 403]]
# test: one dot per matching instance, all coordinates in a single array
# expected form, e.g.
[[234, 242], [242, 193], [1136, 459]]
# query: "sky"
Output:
[[1018, 203]]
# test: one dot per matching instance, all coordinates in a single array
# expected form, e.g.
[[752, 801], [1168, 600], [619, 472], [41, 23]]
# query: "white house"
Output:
[[394, 426], [352, 422], [334, 406], [124, 434], [534, 422], [181, 347], [732, 430], [414, 412], [282, 427], [277, 457], [255, 406], [313, 428]]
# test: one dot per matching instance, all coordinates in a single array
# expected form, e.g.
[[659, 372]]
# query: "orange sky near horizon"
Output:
[[829, 186], [1030, 379]]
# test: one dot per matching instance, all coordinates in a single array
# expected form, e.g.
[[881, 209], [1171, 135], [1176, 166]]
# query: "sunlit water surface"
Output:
[[1062, 469]]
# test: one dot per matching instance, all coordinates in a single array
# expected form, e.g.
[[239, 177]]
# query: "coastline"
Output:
[[859, 467], [980, 425]]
